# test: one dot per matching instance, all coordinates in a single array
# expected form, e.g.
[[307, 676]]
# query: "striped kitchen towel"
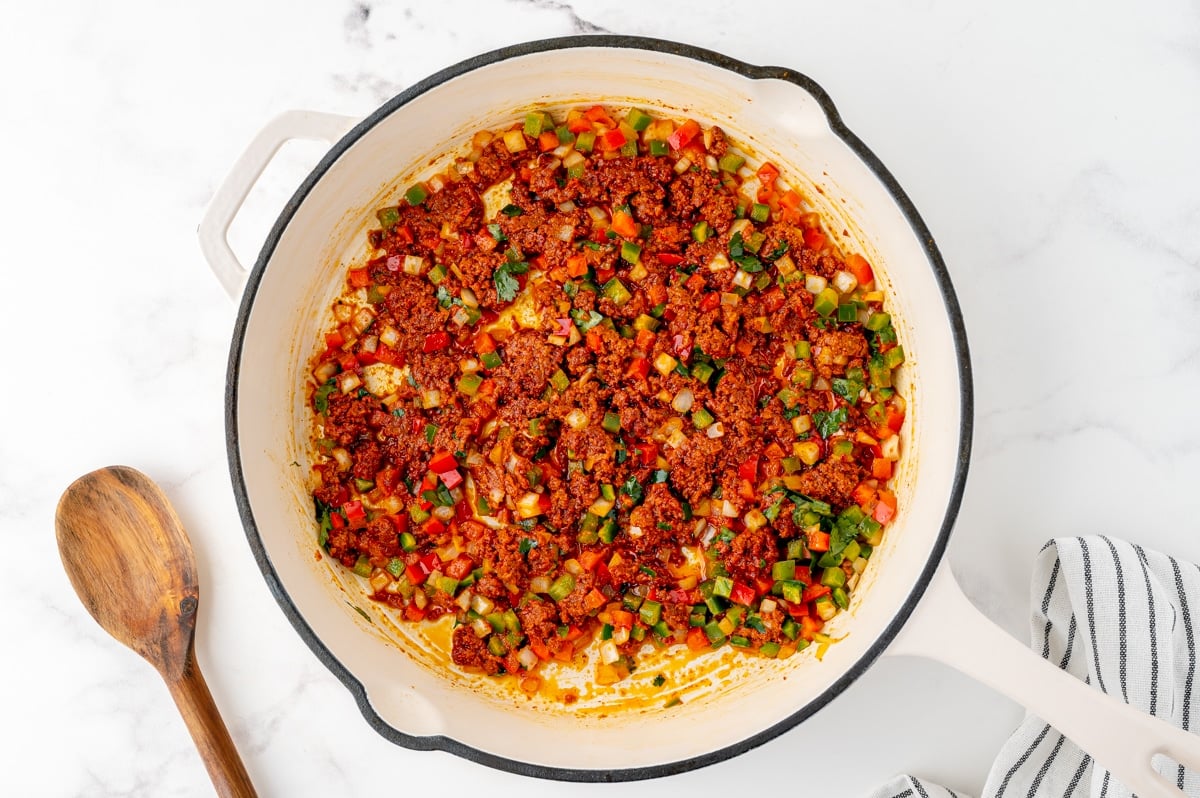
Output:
[[1121, 618]]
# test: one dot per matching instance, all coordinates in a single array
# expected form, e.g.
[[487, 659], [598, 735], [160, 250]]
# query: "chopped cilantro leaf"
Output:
[[511, 210], [321, 397], [527, 545], [632, 488], [830, 422]]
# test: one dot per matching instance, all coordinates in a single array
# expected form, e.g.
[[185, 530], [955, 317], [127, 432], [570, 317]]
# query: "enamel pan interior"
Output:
[[782, 116]]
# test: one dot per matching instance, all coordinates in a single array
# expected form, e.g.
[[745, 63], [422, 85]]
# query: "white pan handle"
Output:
[[947, 627], [227, 201]]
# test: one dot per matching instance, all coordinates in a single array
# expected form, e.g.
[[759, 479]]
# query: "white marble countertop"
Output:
[[1052, 149]]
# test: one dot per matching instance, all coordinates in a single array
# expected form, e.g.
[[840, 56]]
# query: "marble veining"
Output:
[[1051, 148]]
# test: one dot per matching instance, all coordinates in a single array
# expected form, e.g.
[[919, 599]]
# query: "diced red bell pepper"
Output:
[[433, 527], [367, 358], [386, 480], [335, 339], [647, 452], [639, 367], [622, 619], [773, 300], [697, 640], [356, 516], [814, 592], [803, 574], [681, 347], [895, 418], [358, 278], [460, 566], [681, 596], [791, 200], [710, 301], [742, 594], [683, 136], [881, 468], [484, 343], [385, 354], [594, 341], [419, 571], [669, 259], [604, 274], [547, 141], [809, 626], [768, 173], [348, 362], [589, 559], [624, 225], [337, 521], [749, 469], [645, 340], [796, 610], [818, 540], [885, 509], [400, 522], [598, 114], [576, 266], [436, 341], [858, 266], [863, 494], [451, 479], [594, 600], [545, 502], [695, 283], [413, 613], [814, 238], [442, 462], [578, 123], [610, 140], [774, 451], [603, 575]]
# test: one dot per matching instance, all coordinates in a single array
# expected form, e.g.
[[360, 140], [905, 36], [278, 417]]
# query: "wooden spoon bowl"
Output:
[[130, 561]]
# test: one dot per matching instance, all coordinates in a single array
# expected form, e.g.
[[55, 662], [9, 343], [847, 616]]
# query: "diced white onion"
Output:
[[390, 505], [768, 606], [528, 506], [715, 430], [464, 600], [754, 519], [414, 264], [342, 458], [539, 584], [370, 343], [573, 567], [573, 158], [742, 226], [682, 402], [743, 280], [443, 513], [635, 532], [514, 140], [802, 424], [890, 448], [348, 381], [389, 335], [785, 265], [729, 298], [577, 419], [601, 507], [860, 564], [844, 282], [608, 652], [325, 371], [436, 183], [481, 628], [566, 232], [676, 439], [718, 263], [468, 298], [598, 216], [553, 163], [567, 207], [620, 636], [727, 509], [460, 316], [379, 580], [342, 312], [527, 658], [814, 283], [362, 320], [469, 365], [431, 399], [711, 162], [420, 599], [562, 150], [682, 165]]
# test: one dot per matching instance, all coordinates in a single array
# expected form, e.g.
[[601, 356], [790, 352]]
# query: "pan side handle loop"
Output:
[[946, 627], [228, 199]]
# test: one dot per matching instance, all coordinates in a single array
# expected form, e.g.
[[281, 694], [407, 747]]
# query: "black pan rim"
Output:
[[953, 311]]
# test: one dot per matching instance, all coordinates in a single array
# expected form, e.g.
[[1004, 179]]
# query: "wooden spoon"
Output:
[[130, 561]]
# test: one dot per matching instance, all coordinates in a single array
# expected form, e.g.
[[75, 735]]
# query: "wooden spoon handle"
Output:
[[212, 739]]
